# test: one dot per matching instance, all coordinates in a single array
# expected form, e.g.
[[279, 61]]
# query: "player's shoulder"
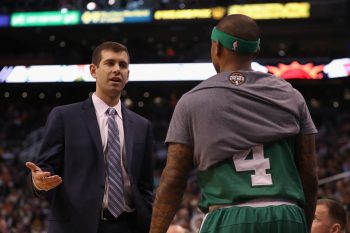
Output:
[[213, 81]]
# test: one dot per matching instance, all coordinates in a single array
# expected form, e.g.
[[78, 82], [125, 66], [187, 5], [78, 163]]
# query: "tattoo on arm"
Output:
[[306, 161], [172, 186]]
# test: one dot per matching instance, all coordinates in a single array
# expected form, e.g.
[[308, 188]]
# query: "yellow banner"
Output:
[[207, 13], [292, 10], [95, 17]]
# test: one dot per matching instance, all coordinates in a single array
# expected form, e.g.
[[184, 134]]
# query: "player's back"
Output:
[[264, 172], [224, 116]]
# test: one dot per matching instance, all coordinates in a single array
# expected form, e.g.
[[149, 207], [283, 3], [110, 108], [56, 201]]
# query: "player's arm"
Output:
[[306, 161], [172, 186]]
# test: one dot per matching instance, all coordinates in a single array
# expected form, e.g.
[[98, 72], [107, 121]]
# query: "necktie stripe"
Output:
[[114, 134], [115, 178], [114, 149], [117, 191], [116, 184], [115, 208], [114, 145]]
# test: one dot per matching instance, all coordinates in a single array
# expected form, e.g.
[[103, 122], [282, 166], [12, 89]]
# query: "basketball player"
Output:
[[251, 138]]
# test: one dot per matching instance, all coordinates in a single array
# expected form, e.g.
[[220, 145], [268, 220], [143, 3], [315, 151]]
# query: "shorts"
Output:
[[269, 219]]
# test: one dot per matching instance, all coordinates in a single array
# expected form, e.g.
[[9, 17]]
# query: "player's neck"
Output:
[[233, 61], [235, 66]]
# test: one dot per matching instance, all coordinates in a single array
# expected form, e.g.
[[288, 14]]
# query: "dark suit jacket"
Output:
[[72, 148]]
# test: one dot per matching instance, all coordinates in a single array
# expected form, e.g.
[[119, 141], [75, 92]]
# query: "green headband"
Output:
[[233, 43]]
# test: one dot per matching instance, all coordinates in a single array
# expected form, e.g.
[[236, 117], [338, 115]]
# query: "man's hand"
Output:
[[43, 180]]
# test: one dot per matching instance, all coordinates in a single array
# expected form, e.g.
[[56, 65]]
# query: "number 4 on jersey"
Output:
[[258, 164]]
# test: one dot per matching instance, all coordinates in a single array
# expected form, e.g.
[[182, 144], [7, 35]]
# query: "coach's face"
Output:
[[111, 74]]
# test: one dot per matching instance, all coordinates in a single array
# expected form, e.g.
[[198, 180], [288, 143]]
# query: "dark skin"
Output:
[[180, 156], [173, 184], [306, 162]]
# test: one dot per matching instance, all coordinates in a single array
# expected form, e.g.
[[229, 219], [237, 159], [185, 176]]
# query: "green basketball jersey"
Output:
[[267, 170]]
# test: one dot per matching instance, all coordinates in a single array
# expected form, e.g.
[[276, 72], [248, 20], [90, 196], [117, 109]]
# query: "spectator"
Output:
[[330, 216]]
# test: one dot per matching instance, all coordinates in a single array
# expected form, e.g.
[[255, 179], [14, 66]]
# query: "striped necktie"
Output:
[[115, 178]]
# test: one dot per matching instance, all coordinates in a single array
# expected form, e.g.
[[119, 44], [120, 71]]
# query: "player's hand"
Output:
[[43, 180]]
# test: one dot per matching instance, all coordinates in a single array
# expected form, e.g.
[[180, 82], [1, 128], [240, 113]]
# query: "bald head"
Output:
[[240, 26]]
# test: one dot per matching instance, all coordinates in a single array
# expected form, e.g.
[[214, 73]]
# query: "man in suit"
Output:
[[95, 161]]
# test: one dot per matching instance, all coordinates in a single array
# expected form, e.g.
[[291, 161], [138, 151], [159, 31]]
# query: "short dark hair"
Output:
[[108, 45], [240, 26], [336, 211]]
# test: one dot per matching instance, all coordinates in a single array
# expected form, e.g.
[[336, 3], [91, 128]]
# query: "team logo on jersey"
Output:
[[235, 45], [236, 78]]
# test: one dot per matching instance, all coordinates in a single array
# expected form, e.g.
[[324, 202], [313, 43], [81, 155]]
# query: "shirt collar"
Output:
[[101, 107]]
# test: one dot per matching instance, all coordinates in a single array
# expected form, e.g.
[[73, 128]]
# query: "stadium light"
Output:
[[111, 2], [64, 10], [91, 6]]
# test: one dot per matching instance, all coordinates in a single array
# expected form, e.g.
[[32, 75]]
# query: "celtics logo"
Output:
[[236, 78], [235, 45]]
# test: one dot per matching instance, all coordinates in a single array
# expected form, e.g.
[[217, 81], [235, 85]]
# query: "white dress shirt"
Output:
[[100, 109]]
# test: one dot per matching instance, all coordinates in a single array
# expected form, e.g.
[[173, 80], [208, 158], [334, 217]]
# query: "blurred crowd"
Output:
[[333, 153], [21, 131]]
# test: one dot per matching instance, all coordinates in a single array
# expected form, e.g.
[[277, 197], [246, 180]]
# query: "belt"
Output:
[[261, 202], [107, 216]]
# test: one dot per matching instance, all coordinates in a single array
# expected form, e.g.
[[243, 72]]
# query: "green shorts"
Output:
[[270, 219]]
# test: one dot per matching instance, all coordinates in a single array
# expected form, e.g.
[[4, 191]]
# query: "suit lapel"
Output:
[[128, 138], [91, 122]]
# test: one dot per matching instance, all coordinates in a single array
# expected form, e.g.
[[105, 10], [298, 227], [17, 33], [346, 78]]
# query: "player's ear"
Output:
[[335, 228], [217, 48]]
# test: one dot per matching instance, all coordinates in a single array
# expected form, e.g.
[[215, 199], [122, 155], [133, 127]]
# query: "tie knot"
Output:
[[111, 111]]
